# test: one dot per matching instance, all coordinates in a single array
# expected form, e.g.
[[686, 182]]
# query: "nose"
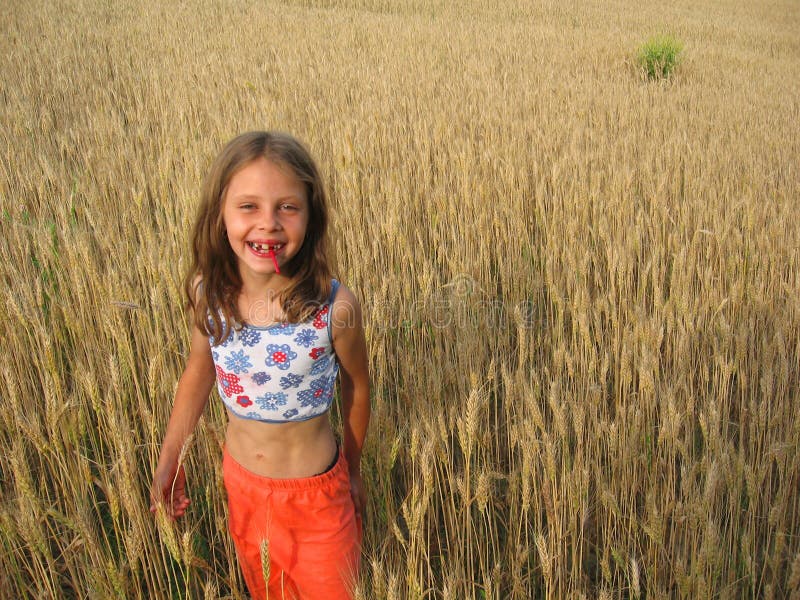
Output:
[[269, 220]]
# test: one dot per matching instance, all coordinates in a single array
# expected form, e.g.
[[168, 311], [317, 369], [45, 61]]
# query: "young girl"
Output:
[[273, 329]]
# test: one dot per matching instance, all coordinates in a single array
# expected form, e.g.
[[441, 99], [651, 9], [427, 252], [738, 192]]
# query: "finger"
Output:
[[180, 509], [179, 497]]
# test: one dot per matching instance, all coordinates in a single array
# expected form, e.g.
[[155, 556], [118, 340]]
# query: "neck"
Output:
[[263, 285]]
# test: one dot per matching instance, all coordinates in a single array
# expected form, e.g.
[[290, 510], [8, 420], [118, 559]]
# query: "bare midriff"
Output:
[[281, 450]]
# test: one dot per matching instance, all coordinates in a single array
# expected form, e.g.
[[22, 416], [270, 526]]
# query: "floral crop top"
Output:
[[279, 373]]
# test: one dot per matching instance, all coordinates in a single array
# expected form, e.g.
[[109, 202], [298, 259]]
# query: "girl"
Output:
[[273, 329]]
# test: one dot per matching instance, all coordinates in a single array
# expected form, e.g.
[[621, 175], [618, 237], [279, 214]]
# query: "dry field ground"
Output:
[[582, 288]]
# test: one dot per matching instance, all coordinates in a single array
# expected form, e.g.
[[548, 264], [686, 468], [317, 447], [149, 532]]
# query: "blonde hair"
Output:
[[213, 283]]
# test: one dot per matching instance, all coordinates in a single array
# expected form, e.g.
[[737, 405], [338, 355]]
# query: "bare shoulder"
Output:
[[348, 337], [200, 341], [346, 311]]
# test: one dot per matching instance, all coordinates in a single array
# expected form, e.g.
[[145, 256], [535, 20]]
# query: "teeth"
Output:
[[265, 247]]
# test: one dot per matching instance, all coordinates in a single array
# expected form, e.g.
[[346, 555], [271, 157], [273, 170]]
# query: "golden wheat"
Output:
[[582, 289]]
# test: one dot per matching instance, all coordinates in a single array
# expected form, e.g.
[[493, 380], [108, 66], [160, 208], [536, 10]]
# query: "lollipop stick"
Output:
[[274, 261]]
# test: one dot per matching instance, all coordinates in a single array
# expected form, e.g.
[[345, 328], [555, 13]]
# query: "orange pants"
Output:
[[307, 528]]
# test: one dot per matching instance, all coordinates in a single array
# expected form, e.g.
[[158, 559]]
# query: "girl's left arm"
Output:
[[351, 349]]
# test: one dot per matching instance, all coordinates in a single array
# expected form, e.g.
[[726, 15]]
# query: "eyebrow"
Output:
[[242, 197]]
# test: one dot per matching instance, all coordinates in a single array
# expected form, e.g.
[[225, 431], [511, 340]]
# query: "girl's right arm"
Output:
[[191, 397]]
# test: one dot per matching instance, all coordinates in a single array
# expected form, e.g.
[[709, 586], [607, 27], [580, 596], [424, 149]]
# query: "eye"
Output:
[[247, 205], [288, 207]]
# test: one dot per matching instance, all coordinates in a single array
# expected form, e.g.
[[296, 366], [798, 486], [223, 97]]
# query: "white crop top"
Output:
[[279, 373]]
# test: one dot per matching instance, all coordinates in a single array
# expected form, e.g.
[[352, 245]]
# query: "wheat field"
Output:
[[581, 288]]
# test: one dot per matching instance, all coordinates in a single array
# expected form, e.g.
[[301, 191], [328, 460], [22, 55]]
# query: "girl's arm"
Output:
[[351, 349], [191, 397]]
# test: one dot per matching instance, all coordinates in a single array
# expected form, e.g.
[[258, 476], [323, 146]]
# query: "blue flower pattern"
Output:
[[280, 355], [238, 362], [284, 329], [249, 336], [271, 400], [291, 380], [261, 378], [321, 365], [306, 338], [319, 393]]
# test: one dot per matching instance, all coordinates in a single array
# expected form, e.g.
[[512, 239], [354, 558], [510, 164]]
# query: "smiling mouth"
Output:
[[265, 248]]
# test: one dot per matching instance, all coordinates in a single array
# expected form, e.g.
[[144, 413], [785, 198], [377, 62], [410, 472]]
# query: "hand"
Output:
[[358, 493], [169, 489]]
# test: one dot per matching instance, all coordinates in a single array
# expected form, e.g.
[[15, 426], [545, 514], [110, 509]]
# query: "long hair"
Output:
[[213, 282]]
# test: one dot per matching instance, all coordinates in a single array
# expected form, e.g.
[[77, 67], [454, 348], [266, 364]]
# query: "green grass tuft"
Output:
[[660, 56]]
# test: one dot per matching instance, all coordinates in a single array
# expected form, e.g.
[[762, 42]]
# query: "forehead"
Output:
[[265, 179]]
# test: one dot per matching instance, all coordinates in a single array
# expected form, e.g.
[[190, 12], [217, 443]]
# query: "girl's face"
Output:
[[265, 211]]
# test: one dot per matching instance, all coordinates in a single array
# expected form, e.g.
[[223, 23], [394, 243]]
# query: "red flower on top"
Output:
[[229, 382], [316, 353], [319, 319]]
